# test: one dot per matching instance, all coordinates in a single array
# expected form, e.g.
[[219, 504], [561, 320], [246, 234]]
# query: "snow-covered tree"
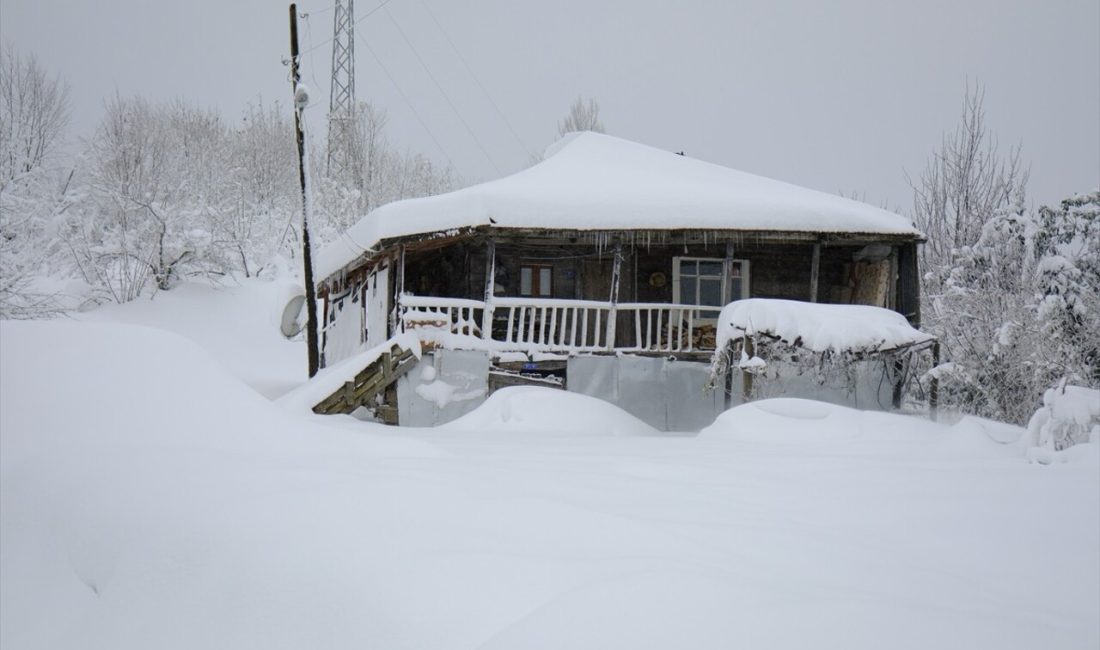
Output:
[[264, 202], [156, 196], [1019, 310], [34, 188], [1067, 287]]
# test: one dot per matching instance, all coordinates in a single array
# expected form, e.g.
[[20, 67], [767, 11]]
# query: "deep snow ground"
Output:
[[149, 498]]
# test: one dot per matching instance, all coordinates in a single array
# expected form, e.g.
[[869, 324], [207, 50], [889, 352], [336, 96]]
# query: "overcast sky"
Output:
[[839, 96]]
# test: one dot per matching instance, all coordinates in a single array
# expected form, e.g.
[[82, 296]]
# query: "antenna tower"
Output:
[[341, 103]]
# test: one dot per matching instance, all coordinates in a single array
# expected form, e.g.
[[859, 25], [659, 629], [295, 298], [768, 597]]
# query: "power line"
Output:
[[365, 16], [477, 81], [408, 103], [431, 76]]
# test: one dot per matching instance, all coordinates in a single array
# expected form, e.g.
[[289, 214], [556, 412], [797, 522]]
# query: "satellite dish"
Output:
[[290, 324], [287, 301]]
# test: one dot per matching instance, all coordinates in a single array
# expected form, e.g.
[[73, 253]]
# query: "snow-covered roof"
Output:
[[818, 327], [591, 181]]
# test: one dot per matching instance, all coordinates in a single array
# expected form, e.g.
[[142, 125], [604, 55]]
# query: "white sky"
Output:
[[837, 96]]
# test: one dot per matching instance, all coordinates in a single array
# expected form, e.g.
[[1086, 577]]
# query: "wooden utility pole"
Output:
[[307, 255]]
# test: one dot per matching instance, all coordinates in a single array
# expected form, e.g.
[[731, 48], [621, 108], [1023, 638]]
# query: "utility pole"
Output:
[[301, 98]]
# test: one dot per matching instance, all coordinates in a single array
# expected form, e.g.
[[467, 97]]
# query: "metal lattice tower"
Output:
[[341, 103]]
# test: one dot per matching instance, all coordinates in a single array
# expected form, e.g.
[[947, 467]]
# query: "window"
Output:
[[701, 281], [536, 281]]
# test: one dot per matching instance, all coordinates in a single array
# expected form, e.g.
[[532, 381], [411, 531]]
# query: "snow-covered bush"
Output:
[[1070, 415], [1067, 287], [1019, 309]]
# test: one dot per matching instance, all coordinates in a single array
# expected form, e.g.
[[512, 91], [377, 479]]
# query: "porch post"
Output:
[[746, 376], [490, 282], [616, 268], [892, 282], [397, 324], [727, 273], [815, 262], [934, 384]]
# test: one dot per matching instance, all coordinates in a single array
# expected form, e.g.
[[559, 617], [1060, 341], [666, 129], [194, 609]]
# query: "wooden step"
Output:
[[368, 384]]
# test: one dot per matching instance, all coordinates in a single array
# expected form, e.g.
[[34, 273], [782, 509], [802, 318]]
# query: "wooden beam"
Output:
[[892, 281], [746, 376], [815, 264], [490, 284], [616, 271], [727, 273], [934, 384], [375, 378], [396, 326]]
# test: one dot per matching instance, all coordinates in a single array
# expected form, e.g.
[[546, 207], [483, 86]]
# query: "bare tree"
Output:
[[263, 197], [34, 111], [583, 116], [964, 184]]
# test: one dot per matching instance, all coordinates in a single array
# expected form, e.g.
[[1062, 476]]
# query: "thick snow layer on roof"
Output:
[[591, 181], [818, 327]]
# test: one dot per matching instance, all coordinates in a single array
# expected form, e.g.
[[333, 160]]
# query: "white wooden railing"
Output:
[[457, 315], [552, 325]]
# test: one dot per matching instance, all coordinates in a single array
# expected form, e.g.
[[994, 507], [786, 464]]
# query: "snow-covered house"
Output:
[[601, 269]]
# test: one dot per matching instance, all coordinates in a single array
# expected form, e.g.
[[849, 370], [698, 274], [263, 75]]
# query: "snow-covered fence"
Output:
[[554, 325], [457, 315]]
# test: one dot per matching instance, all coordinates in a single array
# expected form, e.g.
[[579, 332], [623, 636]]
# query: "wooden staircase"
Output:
[[378, 378]]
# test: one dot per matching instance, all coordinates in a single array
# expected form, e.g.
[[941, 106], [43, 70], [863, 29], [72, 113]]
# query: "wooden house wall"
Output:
[[582, 270]]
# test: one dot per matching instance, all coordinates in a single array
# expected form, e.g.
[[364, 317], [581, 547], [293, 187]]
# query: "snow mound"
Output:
[[787, 420], [151, 499], [1070, 415], [817, 326], [236, 322], [537, 410], [793, 422]]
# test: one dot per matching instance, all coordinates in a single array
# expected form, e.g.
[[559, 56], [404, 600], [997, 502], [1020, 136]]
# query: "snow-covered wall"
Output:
[[667, 394], [443, 386], [344, 328]]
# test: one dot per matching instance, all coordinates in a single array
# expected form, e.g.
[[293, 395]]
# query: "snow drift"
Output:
[[532, 409], [149, 499]]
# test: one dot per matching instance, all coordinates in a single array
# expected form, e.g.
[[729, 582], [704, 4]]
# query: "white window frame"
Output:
[[727, 272]]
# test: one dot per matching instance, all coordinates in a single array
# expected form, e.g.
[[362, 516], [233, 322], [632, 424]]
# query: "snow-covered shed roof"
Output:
[[818, 327], [592, 181]]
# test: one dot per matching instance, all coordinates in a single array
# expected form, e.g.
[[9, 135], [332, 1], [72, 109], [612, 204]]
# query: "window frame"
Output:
[[536, 280], [726, 276]]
